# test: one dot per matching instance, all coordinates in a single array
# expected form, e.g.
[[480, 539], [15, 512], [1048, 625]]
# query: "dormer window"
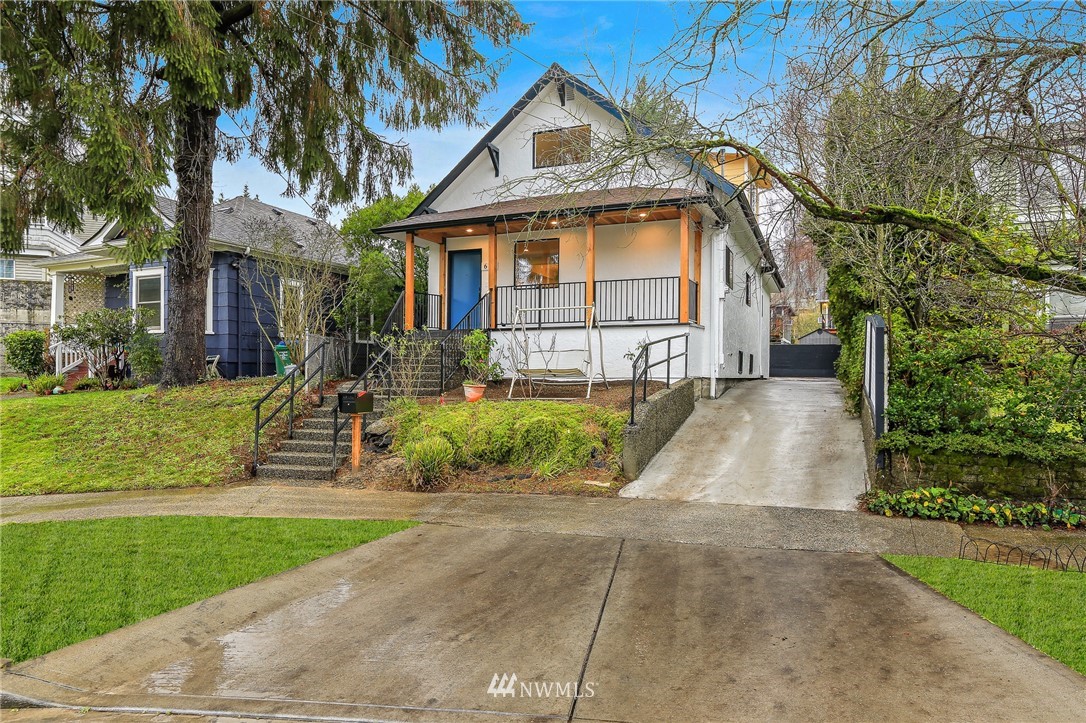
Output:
[[562, 147]]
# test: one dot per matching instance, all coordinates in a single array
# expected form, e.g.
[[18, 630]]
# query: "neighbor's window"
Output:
[[562, 147], [7, 268], [536, 262], [147, 294]]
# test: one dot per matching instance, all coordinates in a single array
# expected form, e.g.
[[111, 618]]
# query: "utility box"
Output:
[[355, 402]]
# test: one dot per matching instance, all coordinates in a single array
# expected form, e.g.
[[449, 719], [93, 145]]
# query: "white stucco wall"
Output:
[[477, 184], [617, 343]]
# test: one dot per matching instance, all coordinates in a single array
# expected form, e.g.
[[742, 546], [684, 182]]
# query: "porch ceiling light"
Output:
[[469, 230], [642, 215], [554, 223]]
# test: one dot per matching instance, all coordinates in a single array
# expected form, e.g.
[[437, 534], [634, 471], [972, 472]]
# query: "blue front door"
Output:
[[465, 280]]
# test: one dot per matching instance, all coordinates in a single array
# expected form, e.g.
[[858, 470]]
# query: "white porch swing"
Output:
[[551, 366]]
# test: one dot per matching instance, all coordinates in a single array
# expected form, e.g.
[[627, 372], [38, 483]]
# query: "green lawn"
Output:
[[1045, 608], [118, 440], [11, 384], [69, 581]]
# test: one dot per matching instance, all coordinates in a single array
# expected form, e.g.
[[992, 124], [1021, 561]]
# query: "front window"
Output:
[[563, 146], [7, 268], [536, 262], [148, 296]]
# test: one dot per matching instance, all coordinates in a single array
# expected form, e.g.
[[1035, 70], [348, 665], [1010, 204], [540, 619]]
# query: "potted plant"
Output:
[[479, 369]]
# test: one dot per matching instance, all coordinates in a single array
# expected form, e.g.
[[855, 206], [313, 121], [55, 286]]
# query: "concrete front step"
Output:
[[321, 459], [295, 471]]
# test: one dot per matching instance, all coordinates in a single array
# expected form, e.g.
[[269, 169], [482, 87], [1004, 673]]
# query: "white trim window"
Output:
[[149, 292], [209, 312], [7, 268]]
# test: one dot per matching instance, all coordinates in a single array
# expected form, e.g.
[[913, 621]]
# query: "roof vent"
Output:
[[277, 212]]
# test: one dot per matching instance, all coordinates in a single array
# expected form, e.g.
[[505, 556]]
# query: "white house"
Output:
[[528, 220]]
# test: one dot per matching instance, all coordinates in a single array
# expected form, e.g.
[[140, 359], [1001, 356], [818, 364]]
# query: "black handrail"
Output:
[[451, 349], [292, 377], [641, 367]]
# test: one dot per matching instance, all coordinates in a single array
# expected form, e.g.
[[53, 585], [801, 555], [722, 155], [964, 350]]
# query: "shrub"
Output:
[[145, 356], [985, 391], [429, 461], [45, 383], [26, 352], [549, 437], [102, 336], [86, 383], [943, 503]]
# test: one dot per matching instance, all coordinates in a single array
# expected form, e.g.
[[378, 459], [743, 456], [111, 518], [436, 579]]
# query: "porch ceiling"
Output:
[[635, 204]]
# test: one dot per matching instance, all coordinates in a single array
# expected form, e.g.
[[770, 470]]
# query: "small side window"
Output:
[[729, 277], [749, 287], [7, 268]]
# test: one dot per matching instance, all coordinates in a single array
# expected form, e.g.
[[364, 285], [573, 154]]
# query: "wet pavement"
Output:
[[720, 525], [770, 442], [422, 625]]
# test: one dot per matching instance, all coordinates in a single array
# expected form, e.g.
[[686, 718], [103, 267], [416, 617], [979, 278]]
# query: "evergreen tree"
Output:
[[103, 99]]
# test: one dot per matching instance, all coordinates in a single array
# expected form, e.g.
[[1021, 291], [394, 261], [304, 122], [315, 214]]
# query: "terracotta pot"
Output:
[[474, 392]]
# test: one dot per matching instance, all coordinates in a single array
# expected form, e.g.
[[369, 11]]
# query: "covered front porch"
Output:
[[633, 254]]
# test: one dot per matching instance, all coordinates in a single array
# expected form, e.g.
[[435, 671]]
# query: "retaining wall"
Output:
[[655, 422]]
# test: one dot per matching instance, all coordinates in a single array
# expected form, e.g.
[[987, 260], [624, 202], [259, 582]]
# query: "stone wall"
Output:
[[655, 422], [24, 305], [984, 475]]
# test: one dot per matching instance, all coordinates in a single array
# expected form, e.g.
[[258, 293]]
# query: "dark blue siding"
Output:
[[117, 294], [236, 335]]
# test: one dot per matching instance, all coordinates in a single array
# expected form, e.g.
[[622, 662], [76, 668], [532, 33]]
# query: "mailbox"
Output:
[[355, 402]]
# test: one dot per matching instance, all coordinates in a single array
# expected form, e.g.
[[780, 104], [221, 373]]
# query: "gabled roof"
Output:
[[602, 200], [556, 73], [234, 220]]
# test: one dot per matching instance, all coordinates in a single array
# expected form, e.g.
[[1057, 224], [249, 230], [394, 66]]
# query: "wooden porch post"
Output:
[[697, 265], [492, 273], [684, 265], [409, 283], [442, 288], [590, 263]]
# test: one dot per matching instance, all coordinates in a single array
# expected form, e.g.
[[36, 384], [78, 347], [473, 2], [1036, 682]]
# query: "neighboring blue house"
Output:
[[94, 277]]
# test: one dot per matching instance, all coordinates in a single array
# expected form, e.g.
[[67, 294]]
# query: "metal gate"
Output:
[[803, 360]]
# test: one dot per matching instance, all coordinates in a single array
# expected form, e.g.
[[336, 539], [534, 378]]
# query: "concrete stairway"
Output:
[[307, 456]]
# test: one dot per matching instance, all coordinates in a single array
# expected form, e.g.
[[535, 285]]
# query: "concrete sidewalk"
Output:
[[420, 625], [653, 520]]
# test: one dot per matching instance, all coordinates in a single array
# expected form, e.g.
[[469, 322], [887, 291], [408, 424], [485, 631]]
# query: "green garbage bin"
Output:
[[282, 358]]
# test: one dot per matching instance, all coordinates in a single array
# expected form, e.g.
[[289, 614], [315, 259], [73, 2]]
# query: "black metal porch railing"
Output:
[[623, 301], [288, 403], [547, 296], [427, 310], [451, 350], [618, 301], [642, 364]]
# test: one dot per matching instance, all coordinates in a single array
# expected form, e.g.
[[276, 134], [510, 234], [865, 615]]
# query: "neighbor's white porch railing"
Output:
[[66, 358]]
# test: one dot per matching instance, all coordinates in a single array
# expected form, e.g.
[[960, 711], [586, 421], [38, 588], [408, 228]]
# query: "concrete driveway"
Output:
[[423, 625], [770, 442]]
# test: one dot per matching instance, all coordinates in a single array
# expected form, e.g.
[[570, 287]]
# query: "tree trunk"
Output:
[[190, 258]]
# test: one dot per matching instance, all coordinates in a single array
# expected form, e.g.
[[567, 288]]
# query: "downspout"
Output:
[[714, 304]]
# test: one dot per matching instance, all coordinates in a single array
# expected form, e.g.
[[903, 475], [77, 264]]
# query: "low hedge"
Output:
[[548, 437], [944, 503]]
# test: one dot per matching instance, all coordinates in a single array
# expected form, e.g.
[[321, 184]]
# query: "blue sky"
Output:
[[613, 35]]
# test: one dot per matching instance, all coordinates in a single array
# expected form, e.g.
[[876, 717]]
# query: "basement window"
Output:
[[561, 147], [535, 263]]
